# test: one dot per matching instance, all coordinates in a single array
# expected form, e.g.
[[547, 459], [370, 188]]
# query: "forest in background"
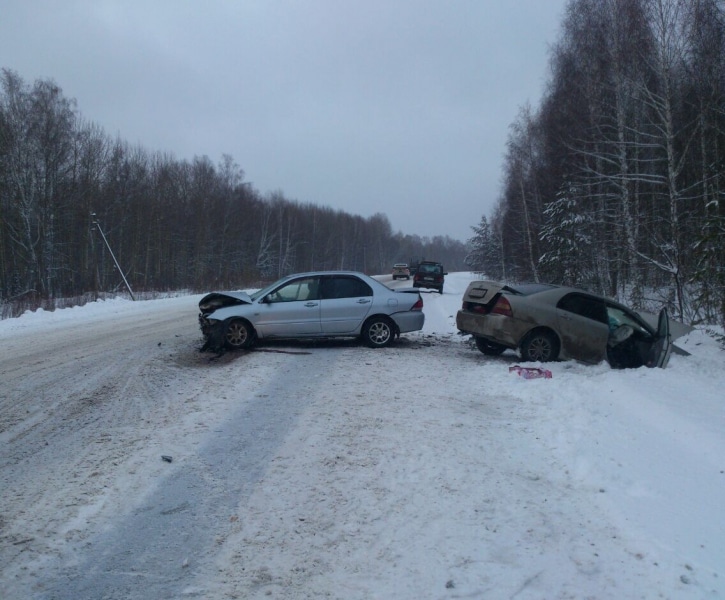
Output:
[[615, 181], [171, 224]]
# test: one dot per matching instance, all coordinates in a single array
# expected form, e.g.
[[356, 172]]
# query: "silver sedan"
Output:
[[311, 305]]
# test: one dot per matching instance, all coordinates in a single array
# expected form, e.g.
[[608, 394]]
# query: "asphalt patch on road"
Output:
[[171, 538]]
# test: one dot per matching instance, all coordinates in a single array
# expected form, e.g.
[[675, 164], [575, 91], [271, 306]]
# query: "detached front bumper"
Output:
[[213, 333]]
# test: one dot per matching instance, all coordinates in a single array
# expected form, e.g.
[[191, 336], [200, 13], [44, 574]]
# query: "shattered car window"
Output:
[[619, 317]]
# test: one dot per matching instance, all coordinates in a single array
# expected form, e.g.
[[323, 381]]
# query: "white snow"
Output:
[[428, 470]]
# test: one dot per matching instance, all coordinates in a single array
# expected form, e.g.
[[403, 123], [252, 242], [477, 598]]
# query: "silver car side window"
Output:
[[297, 290], [344, 286]]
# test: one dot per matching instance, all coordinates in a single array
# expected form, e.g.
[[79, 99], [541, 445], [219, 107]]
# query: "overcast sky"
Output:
[[393, 106]]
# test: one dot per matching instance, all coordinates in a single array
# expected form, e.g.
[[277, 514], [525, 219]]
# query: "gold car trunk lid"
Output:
[[481, 292]]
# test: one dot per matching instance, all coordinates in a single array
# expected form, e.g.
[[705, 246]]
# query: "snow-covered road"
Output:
[[330, 470]]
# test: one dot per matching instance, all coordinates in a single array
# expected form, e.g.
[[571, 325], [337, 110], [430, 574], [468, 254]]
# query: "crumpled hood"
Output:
[[217, 300]]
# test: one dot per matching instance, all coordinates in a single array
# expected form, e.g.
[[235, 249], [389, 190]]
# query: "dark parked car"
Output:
[[429, 274], [321, 304], [547, 322]]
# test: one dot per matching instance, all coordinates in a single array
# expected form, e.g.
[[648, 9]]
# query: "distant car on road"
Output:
[[401, 270], [319, 304], [548, 322], [429, 274]]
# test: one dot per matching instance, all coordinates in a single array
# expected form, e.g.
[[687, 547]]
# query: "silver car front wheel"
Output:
[[238, 334]]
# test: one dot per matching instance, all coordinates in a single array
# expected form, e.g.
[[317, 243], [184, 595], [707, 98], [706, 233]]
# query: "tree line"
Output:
[[615, 181], [172, 224]]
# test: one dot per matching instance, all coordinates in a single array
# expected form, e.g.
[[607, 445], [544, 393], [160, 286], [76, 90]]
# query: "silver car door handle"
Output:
[[363, 301], [311, 304]]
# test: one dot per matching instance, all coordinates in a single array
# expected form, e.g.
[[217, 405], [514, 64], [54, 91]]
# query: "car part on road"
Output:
[[530, 372]]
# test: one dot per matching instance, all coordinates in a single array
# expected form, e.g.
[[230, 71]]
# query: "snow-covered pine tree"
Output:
[[566, 239], [485, 254]]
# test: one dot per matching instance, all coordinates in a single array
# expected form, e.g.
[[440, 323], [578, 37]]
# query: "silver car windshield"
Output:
[[265, 290]]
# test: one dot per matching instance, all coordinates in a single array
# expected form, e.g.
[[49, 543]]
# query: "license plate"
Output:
[[429, 279]]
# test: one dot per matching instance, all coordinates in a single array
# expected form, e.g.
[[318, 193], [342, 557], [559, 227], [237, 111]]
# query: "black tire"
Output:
[[540, 346], [238, 334], [440, 290], [489, 348], [378, 332]]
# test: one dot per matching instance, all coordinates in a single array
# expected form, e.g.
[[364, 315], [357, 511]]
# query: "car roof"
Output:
[[527, 289], [360, 274], [552, 292], [318, 273]]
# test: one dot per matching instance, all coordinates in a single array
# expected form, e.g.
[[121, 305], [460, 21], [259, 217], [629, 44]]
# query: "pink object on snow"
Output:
[[531, 372]]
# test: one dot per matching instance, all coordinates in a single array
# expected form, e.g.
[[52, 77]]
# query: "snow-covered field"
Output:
[[424, 470]]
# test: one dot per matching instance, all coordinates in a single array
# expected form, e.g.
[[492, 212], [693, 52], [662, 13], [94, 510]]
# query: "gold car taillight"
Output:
[[475, 307], [502, 307]]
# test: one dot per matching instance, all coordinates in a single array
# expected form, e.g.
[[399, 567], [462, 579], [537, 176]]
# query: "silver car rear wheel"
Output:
[[378, 332]]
